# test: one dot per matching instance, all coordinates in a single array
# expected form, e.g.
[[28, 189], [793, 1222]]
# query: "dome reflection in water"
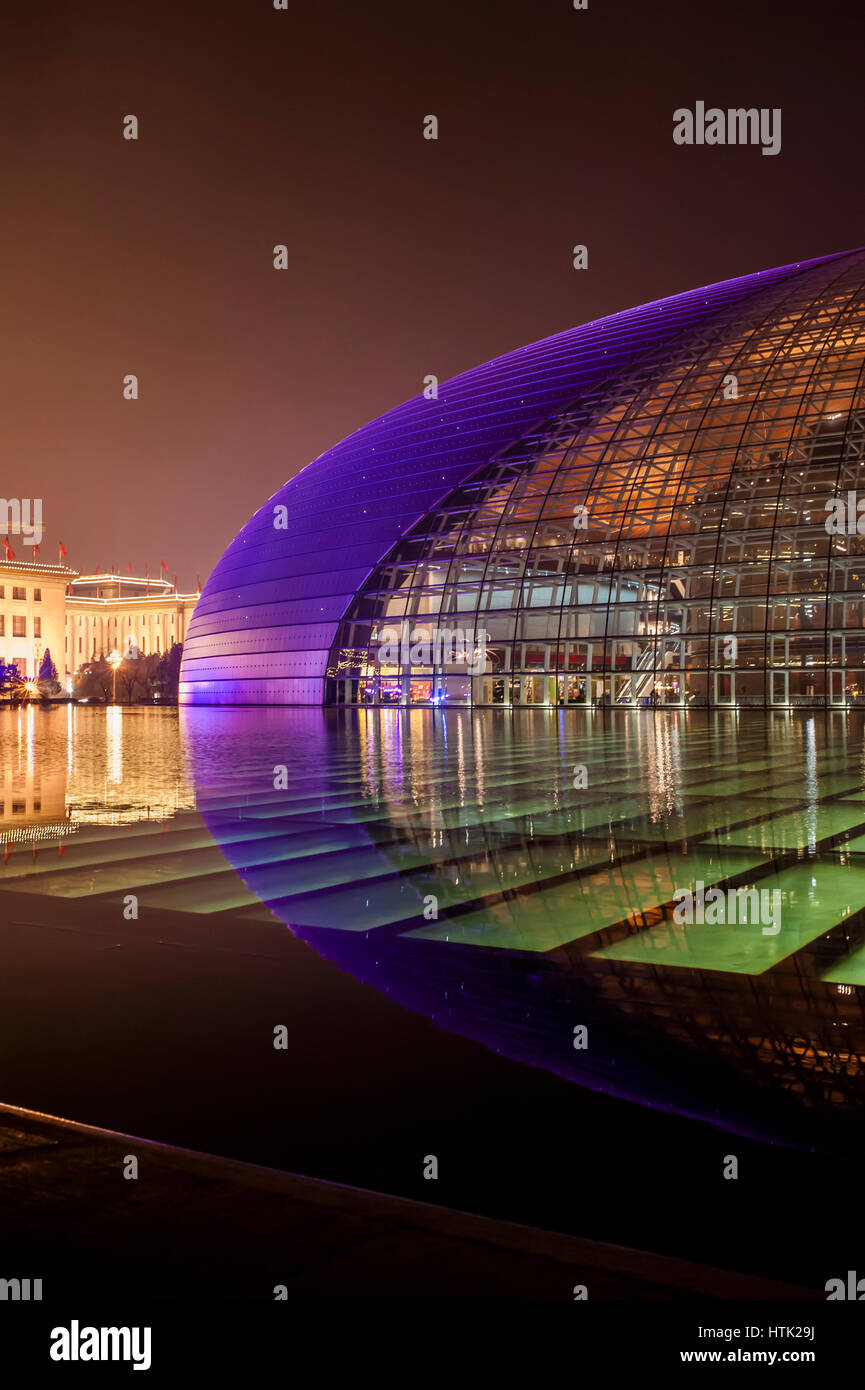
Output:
[[454, 860]]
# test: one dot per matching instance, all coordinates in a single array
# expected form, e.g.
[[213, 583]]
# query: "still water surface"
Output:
[[510, 876]]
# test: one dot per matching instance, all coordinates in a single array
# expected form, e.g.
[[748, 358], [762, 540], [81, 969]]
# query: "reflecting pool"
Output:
[[515, 876]]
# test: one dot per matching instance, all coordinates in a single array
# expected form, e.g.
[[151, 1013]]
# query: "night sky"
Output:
[[407, 256]]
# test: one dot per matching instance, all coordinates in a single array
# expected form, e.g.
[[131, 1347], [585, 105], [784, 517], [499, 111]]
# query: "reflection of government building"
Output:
[[79, 618], [64, 767], [632, 512], [32, 801]]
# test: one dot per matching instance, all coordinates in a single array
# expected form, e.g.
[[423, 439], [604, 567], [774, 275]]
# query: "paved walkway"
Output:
[[193, 1225]]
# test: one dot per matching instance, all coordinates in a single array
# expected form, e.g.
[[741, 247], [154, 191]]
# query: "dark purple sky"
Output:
[[407, 256]]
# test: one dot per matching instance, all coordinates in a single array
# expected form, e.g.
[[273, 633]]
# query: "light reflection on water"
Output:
[[446, 857], [550, 901], [64, 766]]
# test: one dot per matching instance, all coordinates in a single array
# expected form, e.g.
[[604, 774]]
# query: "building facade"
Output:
[[80, 618], [33, 615], [106, 613], [661, 507]]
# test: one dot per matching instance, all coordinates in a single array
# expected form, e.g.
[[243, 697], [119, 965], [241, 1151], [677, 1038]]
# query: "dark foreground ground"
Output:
[[192, 1226], [163, 1027]]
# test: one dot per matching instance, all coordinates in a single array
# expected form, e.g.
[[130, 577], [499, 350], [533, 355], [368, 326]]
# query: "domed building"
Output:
[[658, 508]]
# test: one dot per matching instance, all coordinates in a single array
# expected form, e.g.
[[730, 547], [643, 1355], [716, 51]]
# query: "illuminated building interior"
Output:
[[703, 518]]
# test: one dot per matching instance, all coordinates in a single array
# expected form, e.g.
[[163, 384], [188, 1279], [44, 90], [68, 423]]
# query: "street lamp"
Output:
[[114, 661]]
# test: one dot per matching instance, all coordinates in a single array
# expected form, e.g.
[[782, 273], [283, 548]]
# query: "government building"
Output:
[[33, 615], [642, 511], [80, 618], [106, 613]]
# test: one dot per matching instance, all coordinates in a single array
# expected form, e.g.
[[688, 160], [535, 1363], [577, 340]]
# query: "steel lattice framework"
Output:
[[630, 513]]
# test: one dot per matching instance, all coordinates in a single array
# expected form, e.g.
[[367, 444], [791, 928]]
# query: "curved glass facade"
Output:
[[638, 512]]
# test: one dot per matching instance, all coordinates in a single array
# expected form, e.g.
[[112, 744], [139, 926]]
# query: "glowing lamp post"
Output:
[[114, 661]]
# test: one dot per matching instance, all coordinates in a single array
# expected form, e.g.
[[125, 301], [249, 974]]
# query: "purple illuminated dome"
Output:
[[633, 512]]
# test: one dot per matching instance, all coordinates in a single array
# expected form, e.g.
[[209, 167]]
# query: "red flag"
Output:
[[164, 566], [198, 582], [36, 549], [10, 553], [61, 850], [128, 569], [61, 549]]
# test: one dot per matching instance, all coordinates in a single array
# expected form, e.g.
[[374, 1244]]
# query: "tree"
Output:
[[166, 681], [140, 680], [47, 669], [134, 680], [93, 682], [47, 677], [11, 684]]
